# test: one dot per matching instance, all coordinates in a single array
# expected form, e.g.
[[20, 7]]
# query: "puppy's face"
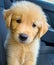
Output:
[[26, 22]]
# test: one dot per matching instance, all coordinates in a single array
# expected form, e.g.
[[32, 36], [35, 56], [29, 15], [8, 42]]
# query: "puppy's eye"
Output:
[[18, 20], [33, 25]]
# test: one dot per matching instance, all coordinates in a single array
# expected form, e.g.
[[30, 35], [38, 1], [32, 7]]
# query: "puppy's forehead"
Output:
[[26, 9]]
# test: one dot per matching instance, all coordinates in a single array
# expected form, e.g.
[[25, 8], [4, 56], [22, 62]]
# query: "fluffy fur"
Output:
[[33, 23]]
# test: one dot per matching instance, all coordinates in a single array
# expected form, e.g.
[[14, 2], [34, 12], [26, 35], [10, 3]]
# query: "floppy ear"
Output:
[[7, 16], [43, 26]]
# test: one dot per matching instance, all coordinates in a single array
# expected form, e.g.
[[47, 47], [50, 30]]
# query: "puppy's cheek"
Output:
[[16, 37]]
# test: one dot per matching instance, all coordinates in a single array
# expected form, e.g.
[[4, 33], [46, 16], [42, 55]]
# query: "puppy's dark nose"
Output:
[[23, 37]]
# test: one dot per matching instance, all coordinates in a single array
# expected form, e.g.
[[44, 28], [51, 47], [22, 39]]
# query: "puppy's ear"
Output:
[[7, 16], [43, 26]]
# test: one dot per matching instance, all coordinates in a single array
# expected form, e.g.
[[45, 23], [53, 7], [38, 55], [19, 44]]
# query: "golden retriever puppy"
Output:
[[27, 23]]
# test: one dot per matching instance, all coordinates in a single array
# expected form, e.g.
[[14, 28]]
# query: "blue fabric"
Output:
[[2, 3], [49, 36], [46, 59], [2, 53], [46, 56], [7, 4], [51, 58], [43, 60], [3, 29]]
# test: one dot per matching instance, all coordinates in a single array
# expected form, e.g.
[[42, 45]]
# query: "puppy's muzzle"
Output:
[[23, 37]]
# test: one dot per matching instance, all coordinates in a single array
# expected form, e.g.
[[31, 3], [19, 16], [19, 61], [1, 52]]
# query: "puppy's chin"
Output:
[[23, 42]]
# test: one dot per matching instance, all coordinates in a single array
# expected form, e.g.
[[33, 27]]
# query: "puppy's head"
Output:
[[26, 21]]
